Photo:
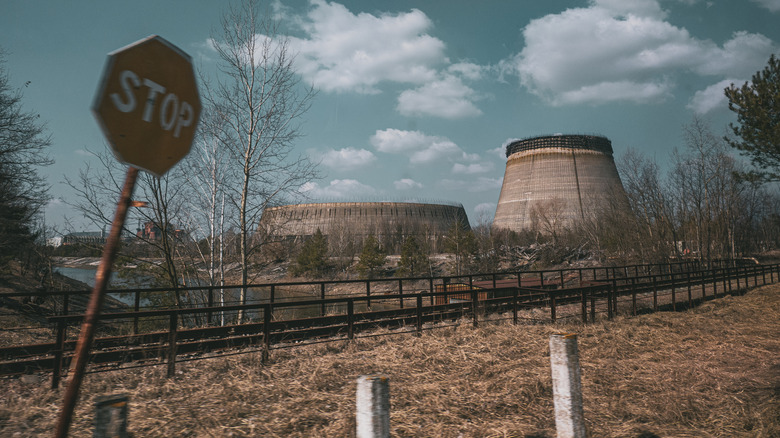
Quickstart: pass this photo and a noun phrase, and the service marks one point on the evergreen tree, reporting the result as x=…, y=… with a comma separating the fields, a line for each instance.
x=313, y=258
x=372, y=257
x=757, y=106
x=414, y=259
x=461, y=242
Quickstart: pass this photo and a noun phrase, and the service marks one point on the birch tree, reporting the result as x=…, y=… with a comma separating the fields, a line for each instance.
x=259, y=100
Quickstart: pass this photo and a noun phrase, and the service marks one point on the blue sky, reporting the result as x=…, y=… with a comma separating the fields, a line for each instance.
x=417, y=98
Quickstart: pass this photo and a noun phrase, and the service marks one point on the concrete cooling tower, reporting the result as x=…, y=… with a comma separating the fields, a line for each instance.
x=360, y=219
x=558, y=177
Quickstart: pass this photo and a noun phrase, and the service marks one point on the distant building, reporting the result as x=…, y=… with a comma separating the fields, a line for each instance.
x=151, y=231
x=86, y=238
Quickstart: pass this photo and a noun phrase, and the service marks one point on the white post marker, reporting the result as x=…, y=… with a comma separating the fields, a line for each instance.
x=567, y=389
x=373, y=407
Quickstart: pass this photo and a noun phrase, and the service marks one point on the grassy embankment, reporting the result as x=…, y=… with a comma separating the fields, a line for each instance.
x=710, y=371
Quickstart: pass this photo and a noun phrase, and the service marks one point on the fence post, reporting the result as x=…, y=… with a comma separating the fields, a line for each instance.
x=373, y=407
x=475, y=306
x=613, y=296
x=368, y=294
x=690, y=294
x=350, y=319
x=763, y=274
x=515, y=293
x=567, y=387
x=322, y=297
x=584, y=292
x=431, y=289
x=419, y=314
x=58, y=353
x=173, y=323
x=401, y=292
x=111, y=416
x=655, y=294
x=561, y=274
x=267, y=311
x=633, y=296
x=674, y=292
x=714, y=282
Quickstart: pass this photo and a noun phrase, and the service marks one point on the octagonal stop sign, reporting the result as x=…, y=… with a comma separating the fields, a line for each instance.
x=147, y=104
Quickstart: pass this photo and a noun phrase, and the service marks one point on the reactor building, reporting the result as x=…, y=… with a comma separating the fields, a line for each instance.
x=564, y=177
x=359, y=219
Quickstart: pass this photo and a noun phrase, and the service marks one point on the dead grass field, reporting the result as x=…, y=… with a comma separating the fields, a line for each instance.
x=713, y=371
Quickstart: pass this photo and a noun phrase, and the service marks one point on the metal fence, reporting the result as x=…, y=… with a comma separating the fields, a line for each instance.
x=328, y=311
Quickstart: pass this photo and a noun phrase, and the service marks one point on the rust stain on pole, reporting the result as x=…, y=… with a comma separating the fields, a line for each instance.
x=81, y=356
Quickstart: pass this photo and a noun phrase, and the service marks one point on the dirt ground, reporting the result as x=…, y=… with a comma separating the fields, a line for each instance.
x=712, y=371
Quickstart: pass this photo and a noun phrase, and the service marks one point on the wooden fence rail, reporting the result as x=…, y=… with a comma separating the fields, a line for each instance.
x=174, y=337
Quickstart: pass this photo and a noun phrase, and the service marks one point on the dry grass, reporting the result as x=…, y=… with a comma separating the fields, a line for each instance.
x=710, y=371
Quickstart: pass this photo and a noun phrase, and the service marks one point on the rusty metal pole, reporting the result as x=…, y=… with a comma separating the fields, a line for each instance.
x=81, y=355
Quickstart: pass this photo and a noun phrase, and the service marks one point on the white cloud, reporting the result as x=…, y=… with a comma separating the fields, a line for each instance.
x=771, y=5
x=420, y=148
x=622, y=8
x=467, y=70
x=347, y=158
x=338, y=189
x=485, y=207
x=711, y=97
x=616, y=50
x=407, y=184
x=448, y=98
x=343, y=51
x=471, y=169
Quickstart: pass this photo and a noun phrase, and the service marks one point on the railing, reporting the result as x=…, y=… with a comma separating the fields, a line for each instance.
x=173, y=337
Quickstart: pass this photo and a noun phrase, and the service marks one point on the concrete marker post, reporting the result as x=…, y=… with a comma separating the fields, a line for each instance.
x=111, y=416
x=373, y=407
x=567, y=387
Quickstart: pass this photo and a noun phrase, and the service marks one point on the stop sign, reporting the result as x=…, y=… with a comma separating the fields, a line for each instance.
x=147, y=104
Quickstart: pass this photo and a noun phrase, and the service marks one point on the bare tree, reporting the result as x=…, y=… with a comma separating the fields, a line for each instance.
x=547, y=217
x=259, y=100
x=23, y=193
x=207, y=176
x=161, y=202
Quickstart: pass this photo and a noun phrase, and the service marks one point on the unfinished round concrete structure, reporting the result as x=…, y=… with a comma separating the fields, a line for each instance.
x=359, y=219
x=558, y=180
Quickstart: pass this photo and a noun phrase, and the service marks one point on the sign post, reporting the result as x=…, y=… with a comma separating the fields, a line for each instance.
x=148, y=107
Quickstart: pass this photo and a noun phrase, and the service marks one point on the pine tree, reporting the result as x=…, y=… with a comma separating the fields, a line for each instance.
x=414, y=259
x=461, y=242
x=757, y=106
x=372, y=257
x=313, y=258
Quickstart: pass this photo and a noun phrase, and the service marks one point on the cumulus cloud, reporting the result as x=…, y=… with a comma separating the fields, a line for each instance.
x=407, y=184
x=343, y=51
x=338, y=189
x=447, y=98
x=421, y=148
x=711, y=97
x=470, y=169
x=617, y=50
x=347, y=158
x=771, y=5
